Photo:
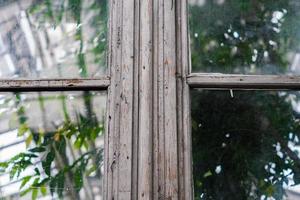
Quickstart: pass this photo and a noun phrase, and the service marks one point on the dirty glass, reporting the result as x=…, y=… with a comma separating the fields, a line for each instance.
x=245, y=36
x=245, y=145
x=51, y=145
x=53, y=39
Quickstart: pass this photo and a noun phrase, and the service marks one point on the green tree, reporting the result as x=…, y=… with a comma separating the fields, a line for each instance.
x=244, y=36
x=242, y=144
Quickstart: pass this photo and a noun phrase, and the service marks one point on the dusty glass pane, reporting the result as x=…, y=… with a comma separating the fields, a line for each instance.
x=246, y=145
x=52, y=145
x=53, y=39
x=245, y=36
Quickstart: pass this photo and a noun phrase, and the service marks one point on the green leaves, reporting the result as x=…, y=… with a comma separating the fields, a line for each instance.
x=91, y=170
x=36, y=186
x=207, y=174
x=23, y=193
x=3, y=166
x=252, y=153
x=78, y=179
x=232, y=37
x=34, y=193
x=88, y=130
x=52, y=185
x=75, y=8
x=43, y=190
x=51, y=146
x=60, y=184
x=23, y=128
x=28, y=140
x=46, y=164
x=37, y=149
x=18, y=164
x=25, y=180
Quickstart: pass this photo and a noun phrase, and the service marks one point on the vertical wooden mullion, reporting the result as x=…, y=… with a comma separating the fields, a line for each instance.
x=158, y=103
x=145, y=128
x=126, y=95
x=117, y=73
x=108, y=153
x=135, y=136
x=184, y=118
x=145, y=101
x=118, y=167
x=170, y=101
x=158, y=153
x=165, y=102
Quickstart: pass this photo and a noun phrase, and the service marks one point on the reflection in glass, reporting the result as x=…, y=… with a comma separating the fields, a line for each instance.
x=52, y=39
x=245, y=36
x=246, y=145
x=51, y=145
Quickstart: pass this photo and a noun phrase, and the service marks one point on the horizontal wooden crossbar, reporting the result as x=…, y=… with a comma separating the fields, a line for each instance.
x=221, y=81
x=53, y=84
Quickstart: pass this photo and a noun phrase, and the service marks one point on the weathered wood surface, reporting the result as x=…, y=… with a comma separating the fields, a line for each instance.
x=145, y=101
x=170, y=101
x=126, y=104
x=158, y=103
x=120, y=123
x=183, y=105
x=135, y=137
x=196, y=80
x=144, y=119
x=114, y=113
x=53, y=84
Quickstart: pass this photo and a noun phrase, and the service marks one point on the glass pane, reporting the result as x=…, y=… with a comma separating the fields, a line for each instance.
x=245, y=36
x=52, y=39
x=52, y=145
x=246, y=145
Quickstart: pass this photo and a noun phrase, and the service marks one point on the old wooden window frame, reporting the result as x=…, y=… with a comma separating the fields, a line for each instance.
x=148, y=135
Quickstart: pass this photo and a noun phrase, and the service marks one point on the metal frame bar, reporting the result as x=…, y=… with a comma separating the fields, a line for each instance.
x=30, y=85
x=222, y=81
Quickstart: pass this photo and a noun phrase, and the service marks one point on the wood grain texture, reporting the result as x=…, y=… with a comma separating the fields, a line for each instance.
x=170, y=101
x=165, y=115
x=183, y=108
x=145, y=102
x=135, y=137
x=146, y=112
x=243, y=81
x=120, y=123
x=126, y=104
x=158, y=103
x=24, y=85
x=110, y=158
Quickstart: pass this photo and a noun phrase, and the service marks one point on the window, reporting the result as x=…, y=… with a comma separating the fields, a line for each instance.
x=53, y=99
x=148, y=84
x=245, y=109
